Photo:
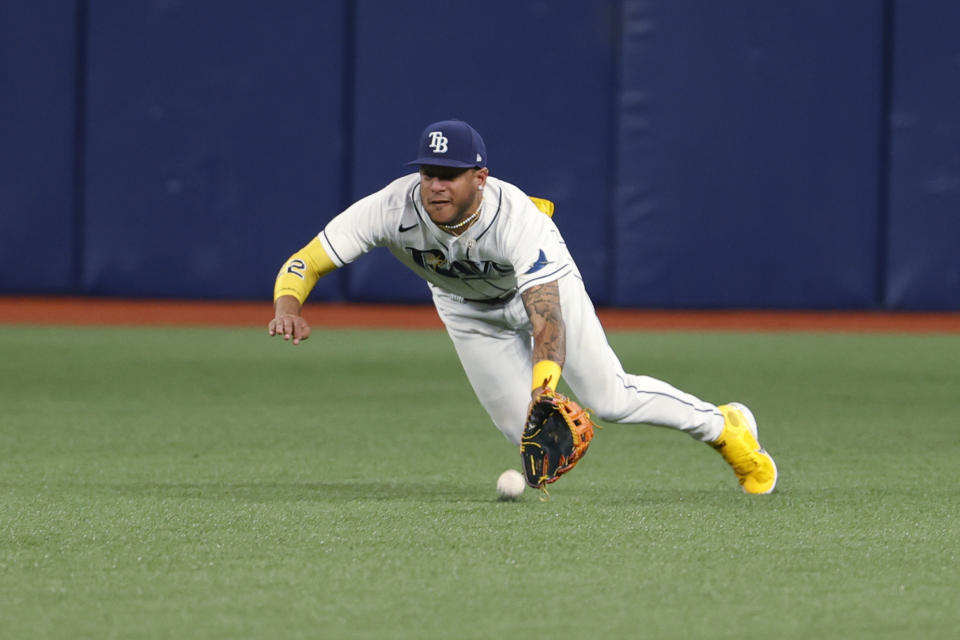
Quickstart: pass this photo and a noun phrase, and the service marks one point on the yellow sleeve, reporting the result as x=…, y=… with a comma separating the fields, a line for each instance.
x=300, y=273
x=544, y=205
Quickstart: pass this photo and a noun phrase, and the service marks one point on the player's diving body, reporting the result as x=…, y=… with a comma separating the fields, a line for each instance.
x=510, y=297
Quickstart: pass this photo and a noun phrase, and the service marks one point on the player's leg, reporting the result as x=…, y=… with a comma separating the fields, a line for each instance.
x=495, y=353
x=597, y=378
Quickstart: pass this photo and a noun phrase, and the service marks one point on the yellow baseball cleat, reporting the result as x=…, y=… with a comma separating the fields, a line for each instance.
x=738, y=444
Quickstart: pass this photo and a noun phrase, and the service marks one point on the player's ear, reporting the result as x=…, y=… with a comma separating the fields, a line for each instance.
x=481, y=176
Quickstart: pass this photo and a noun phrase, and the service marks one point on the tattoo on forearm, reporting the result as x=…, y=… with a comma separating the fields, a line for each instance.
x=549, y=333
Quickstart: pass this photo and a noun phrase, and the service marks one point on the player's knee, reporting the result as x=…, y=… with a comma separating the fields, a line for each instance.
x=609, y=414
x=512, y=435
x=509, y=424
x=510, y=431
x=598, y=410
x=609, y=407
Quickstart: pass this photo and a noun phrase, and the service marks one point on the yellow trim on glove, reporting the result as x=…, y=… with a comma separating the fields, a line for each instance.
x=300, y=273
x=546, y=372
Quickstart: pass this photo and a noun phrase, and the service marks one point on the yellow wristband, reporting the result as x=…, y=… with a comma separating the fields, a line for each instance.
x=546, y=372
x=300, y=273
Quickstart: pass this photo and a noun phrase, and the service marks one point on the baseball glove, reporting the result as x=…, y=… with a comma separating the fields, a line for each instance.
x=556, y=436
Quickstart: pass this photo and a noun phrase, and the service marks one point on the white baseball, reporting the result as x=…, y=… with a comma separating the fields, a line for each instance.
x=510, y=484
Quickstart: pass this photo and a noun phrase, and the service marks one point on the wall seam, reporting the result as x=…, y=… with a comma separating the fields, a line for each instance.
x=79, y=146
x=347, y=121
x=884, y=167
x=613, y=181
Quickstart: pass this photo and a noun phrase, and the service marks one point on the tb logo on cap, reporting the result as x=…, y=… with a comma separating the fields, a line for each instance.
x=438, y=142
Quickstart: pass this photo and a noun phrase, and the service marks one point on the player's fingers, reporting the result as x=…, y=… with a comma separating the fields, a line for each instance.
x=291, y=327
x=301, y=331
x=281, y=326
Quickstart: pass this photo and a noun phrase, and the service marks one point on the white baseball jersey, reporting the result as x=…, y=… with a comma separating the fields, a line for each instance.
x=511, y=246
x=475, y=277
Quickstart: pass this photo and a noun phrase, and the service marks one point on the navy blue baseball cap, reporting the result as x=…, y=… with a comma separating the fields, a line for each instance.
x=451, y=143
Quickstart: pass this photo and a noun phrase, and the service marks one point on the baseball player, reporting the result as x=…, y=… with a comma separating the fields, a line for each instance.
x=510, y=296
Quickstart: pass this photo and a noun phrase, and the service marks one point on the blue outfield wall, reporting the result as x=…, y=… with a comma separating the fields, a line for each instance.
x=747, y=170
x=213, y=135
x=796, y=154
x=923, y=257
x=39, y=220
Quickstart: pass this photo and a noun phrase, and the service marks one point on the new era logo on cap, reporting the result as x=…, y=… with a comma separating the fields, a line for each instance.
x=451, y=143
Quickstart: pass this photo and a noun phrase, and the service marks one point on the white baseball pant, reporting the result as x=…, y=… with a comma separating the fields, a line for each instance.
x=494, y=344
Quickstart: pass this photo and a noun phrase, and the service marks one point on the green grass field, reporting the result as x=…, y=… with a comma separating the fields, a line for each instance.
x=196, y=483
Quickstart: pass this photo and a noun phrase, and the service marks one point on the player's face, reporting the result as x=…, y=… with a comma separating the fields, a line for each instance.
x=451, y=194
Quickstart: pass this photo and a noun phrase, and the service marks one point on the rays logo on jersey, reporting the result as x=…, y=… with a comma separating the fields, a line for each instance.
x=434, y=260
x=539, y=264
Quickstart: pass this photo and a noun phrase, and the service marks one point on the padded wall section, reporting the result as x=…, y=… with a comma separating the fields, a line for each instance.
x=214, y=137
x=535, y=78
x=748, y=160
x=38, y=46
x=924, y=225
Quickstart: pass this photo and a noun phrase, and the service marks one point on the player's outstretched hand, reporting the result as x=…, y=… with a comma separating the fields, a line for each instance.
x=290, y=326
